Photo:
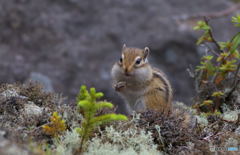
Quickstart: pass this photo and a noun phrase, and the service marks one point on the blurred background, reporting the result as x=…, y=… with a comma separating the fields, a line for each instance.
x=67, y=43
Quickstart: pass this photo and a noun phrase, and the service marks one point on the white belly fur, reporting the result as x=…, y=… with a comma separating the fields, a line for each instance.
x=134, y=99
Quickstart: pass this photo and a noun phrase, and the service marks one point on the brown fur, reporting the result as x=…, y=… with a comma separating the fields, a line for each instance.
x=129, y=57
x=157, y=94
x=163, y=79
x=159, y=98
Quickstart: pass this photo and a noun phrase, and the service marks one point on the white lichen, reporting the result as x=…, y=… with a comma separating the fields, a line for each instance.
x=12, y=93
x=128, y=142
x=201, y=120
x=231, y=116
x=231, y=142
x=31, y=109
x=159, y=133
x=185, y=107
x=67, y=143
x=237, y=131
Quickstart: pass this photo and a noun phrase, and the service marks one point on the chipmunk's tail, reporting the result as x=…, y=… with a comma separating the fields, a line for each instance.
x=181, y=110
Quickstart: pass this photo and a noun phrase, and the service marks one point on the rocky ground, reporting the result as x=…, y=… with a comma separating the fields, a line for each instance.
x=67, y=43
x=24, y=109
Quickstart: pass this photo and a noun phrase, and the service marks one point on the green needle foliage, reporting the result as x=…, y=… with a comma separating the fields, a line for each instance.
x=88, y=104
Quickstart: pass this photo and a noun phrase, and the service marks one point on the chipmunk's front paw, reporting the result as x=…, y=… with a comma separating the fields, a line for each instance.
x=119, y=86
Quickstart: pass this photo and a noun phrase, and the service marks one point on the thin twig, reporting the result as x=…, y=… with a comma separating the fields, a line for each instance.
x=191, y=72
x=214, y=41
x=213, y=15
x=213, y=135
x=206, y=19
x=236, y=75
x=210, y=49
x=233, y=89
x=236, y=81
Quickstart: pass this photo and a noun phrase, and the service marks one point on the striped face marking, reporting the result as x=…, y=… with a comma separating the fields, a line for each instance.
x=132, y=58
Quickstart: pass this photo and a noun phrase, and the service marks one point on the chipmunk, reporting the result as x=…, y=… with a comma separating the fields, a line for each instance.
x=142, y=86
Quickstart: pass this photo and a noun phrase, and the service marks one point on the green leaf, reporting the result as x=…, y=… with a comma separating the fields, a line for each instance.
x=217, y=94
x=206, y=102
x=237, y=55
x=207, y=65
x=224, y=45
x=202, y=25
x=207, y=57
x=210, y=68
x=222, y=56
x=205, y=37
x=229, y=66
x=236, y=20
x=235, y=42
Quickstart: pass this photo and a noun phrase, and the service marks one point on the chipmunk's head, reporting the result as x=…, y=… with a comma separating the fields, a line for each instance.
x=134, y=61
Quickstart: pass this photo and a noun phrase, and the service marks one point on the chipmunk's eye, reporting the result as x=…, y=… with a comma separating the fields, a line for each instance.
x=138, y=61
x=120, y=60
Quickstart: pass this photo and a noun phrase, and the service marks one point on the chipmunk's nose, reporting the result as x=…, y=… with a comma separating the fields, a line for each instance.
x=126, y=72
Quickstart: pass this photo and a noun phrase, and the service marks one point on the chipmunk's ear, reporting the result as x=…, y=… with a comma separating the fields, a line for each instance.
x=124, y=46
x=146, y=52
